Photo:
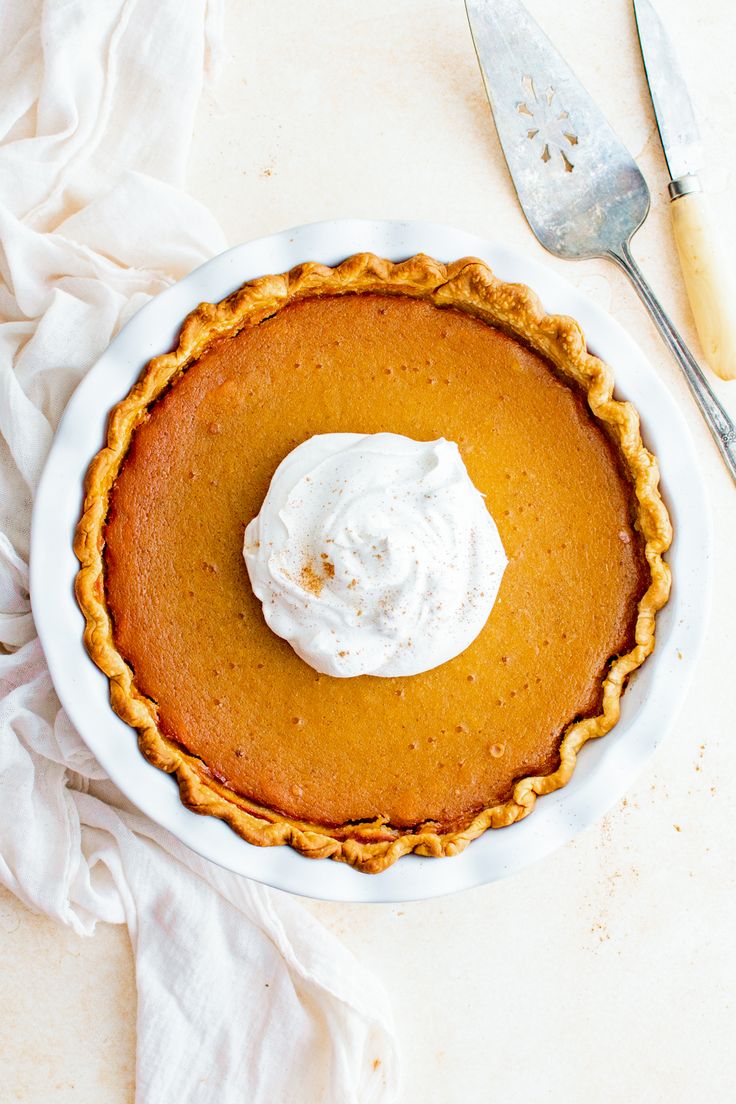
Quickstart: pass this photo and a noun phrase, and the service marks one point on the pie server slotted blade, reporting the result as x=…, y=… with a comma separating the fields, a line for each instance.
x=579, y=187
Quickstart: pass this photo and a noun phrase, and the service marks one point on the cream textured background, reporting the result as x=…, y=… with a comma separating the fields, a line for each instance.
x=607, y=973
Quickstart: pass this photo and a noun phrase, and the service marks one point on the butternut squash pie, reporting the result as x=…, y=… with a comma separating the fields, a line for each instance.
x=423, y=754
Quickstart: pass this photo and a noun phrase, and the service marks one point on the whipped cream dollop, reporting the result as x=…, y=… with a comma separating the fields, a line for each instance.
x=374, y=554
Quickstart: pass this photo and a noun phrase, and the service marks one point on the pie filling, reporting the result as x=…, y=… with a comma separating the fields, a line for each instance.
x=434, y=746
x=484, y=664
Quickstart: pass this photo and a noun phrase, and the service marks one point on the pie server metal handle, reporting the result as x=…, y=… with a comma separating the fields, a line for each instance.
x=719, y=423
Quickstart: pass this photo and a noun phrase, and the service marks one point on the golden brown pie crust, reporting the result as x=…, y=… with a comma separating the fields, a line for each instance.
x=467, y=285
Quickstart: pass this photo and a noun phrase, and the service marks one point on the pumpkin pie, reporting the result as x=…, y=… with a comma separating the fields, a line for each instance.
x=368, y=769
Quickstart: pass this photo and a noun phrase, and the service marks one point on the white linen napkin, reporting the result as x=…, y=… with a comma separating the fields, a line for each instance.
x=242, y=995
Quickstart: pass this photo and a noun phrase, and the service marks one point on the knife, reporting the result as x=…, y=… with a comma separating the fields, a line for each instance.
x=708, y=280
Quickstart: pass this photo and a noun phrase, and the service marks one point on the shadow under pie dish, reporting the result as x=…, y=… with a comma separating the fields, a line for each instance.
x=367, y=769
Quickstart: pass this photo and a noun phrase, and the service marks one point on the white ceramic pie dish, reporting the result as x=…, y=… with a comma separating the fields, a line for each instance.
x=605, y=768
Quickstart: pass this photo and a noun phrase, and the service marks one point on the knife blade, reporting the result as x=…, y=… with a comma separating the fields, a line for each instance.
x=709, y=281
x=673, y=110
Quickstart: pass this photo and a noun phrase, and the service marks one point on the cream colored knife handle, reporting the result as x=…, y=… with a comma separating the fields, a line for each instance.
x=708, y=280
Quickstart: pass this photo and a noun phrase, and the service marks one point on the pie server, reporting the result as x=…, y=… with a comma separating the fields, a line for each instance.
x=579, y=187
